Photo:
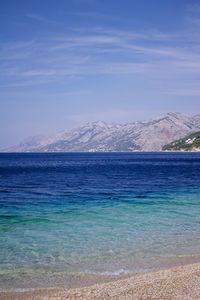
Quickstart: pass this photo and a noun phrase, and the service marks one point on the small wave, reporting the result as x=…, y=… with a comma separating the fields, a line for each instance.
x=26, y=289
x=5, y=191
x=115, y=273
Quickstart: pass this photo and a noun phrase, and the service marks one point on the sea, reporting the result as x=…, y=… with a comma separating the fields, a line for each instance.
x=67, y=216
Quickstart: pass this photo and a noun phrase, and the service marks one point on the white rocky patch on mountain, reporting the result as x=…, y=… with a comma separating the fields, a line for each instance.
x=149, y=135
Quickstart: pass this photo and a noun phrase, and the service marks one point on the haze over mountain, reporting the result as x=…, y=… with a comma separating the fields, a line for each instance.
x=150, y=135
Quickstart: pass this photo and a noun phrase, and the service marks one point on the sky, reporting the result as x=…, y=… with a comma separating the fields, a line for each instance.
x=67, y=62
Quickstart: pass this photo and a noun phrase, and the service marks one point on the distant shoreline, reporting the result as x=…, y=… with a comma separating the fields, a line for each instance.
x=100, y=152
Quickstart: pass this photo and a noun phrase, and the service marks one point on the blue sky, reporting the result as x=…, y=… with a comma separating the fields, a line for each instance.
x=66, y=62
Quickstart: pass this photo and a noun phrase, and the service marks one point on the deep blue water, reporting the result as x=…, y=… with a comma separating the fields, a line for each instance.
x=95, y=213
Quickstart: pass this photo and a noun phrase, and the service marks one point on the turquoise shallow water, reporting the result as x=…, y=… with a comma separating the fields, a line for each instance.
x=68, y=214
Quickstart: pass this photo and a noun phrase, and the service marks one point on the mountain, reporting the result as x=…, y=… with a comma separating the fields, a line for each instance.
x=149, y=135
x=189, y=143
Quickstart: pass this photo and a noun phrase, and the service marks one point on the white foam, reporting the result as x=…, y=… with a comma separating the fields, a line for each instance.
x=116, y=272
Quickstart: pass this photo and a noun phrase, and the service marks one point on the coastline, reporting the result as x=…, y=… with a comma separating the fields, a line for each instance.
x=181, y=282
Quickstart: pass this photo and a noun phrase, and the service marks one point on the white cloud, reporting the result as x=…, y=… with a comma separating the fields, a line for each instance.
x=36, y=17
x=101, y=51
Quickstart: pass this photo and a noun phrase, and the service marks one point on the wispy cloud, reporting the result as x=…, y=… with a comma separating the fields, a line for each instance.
x=36, y=17
x=40, y=18
x=101, y=51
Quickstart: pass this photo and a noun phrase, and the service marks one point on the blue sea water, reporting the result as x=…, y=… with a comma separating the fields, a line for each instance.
x=63, y=214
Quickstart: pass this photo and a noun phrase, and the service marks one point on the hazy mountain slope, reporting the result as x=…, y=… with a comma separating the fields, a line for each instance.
x=190, y=143
x=149, y=135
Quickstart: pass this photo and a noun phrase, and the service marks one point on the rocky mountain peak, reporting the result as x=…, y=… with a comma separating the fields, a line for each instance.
x=150, y=135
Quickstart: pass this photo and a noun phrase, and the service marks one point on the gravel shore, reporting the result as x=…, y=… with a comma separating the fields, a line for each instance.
x=175, y=283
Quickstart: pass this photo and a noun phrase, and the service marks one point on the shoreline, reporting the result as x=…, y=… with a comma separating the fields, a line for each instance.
x=181, y=282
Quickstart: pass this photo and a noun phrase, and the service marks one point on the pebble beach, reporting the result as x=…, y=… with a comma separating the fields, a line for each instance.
x=176, y=283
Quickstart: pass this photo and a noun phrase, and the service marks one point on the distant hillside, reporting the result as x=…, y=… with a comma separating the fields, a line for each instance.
x=190, y=143
x=149, y=135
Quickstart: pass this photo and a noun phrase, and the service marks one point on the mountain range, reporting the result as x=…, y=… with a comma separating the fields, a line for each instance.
x=150, y=135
